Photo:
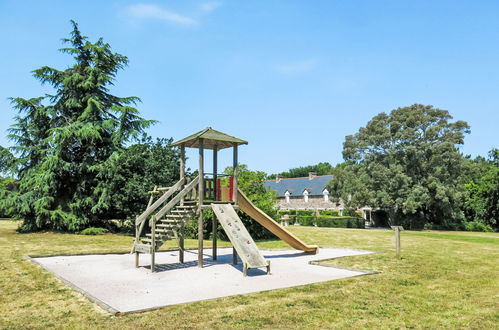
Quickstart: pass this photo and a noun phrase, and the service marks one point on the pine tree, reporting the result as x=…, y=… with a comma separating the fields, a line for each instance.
x=67, y=144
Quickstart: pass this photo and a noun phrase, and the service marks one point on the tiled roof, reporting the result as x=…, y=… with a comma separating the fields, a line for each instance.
x=296, y=186
x=211, y=139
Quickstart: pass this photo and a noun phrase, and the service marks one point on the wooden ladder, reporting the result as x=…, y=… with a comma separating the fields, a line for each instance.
x=167, y=223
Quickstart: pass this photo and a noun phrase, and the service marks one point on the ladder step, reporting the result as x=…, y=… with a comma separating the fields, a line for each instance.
x=175, y=216
x=161, y=234
x=179, y=212
x=165, y=230
x=167, y=225
x=158, y=242
x=186, y=207
x=144, y=248
x=175, y=221
x=178, y=220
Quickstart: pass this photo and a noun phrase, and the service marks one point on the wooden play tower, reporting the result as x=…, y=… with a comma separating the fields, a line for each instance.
x=170, y=207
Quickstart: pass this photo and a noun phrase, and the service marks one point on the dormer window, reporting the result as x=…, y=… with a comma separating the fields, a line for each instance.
x=286, y=195
x=325, y=193
x=305, y=195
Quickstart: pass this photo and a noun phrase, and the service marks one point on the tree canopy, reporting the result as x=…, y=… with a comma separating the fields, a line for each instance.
x=408, y=164
x=482, y=190
x=141, y=167
x=251, y=183
x=323, y=168
x=67, y=144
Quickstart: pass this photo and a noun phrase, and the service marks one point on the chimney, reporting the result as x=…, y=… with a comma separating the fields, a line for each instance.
x=311, y=175
x=277, y=179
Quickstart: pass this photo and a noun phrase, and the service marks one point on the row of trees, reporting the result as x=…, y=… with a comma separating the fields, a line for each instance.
x=71, y=156
x=407, y=166
x=81, y=155
x=319, y=169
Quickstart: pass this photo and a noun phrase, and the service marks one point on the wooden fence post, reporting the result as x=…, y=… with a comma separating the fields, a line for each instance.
x=397, y=230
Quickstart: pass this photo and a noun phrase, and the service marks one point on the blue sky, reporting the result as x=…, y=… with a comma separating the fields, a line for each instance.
x=291, y=77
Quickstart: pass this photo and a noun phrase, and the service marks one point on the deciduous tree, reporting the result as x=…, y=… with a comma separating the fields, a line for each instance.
x=482, y=198
x=407, y=163
x=323, y=168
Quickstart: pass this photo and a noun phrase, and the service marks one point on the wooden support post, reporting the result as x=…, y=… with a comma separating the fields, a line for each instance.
x=214, y=232
x=234, y=166
x=214, y=221
x=397, y=230
x=200, y=203
x=137, y=229
x=245, y=269
x=234, y=256
x=153, y=244
x=181, y=243
x=182, y=168
x=182, y=162
x=151, y=198
x=215, y=169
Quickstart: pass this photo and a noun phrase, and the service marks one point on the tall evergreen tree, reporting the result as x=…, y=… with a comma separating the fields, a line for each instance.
x=67, y=144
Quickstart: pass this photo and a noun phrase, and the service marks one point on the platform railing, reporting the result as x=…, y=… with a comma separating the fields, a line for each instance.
x=164, y=203
x=212, y=186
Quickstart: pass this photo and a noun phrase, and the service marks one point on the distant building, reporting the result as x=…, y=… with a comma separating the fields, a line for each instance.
x=303, y=193
x=307, y=193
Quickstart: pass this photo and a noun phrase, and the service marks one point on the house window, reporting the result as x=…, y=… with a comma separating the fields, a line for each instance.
x=325, y=193
x=305, y=196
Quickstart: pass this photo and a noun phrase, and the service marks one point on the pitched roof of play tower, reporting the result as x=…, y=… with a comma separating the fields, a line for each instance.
x=211, y=139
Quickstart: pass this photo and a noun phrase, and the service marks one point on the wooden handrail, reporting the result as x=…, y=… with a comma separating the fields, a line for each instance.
x=175, y=200
x=140, y=221
x=141, y=218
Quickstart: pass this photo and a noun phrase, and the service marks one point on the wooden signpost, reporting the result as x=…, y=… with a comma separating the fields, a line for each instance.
x=397, y=230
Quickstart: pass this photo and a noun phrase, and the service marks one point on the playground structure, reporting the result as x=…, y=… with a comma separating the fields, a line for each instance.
x=164, y=218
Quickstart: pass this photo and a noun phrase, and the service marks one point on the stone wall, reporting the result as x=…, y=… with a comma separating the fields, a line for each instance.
x=314, y=202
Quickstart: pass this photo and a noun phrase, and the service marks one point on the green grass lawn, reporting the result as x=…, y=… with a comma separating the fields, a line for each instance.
x=442, y=280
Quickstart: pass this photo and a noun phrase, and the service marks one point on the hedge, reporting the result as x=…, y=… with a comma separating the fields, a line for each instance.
x=332, y=222
x=330, y=213
x=94, y=231
x=341, y=222
x=305, y=220
x=287, y=212
x=306, y=213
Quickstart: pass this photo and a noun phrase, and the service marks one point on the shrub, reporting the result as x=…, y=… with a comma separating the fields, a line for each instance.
x=287, y=212
x=306, y=220
x=306, y=213
x=340, y=222
x=477, y=226
x=94, y=231
x=348, y=213
x=330, y=213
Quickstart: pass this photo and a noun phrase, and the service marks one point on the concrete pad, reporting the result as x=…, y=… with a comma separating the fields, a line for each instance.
x=112, y=281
